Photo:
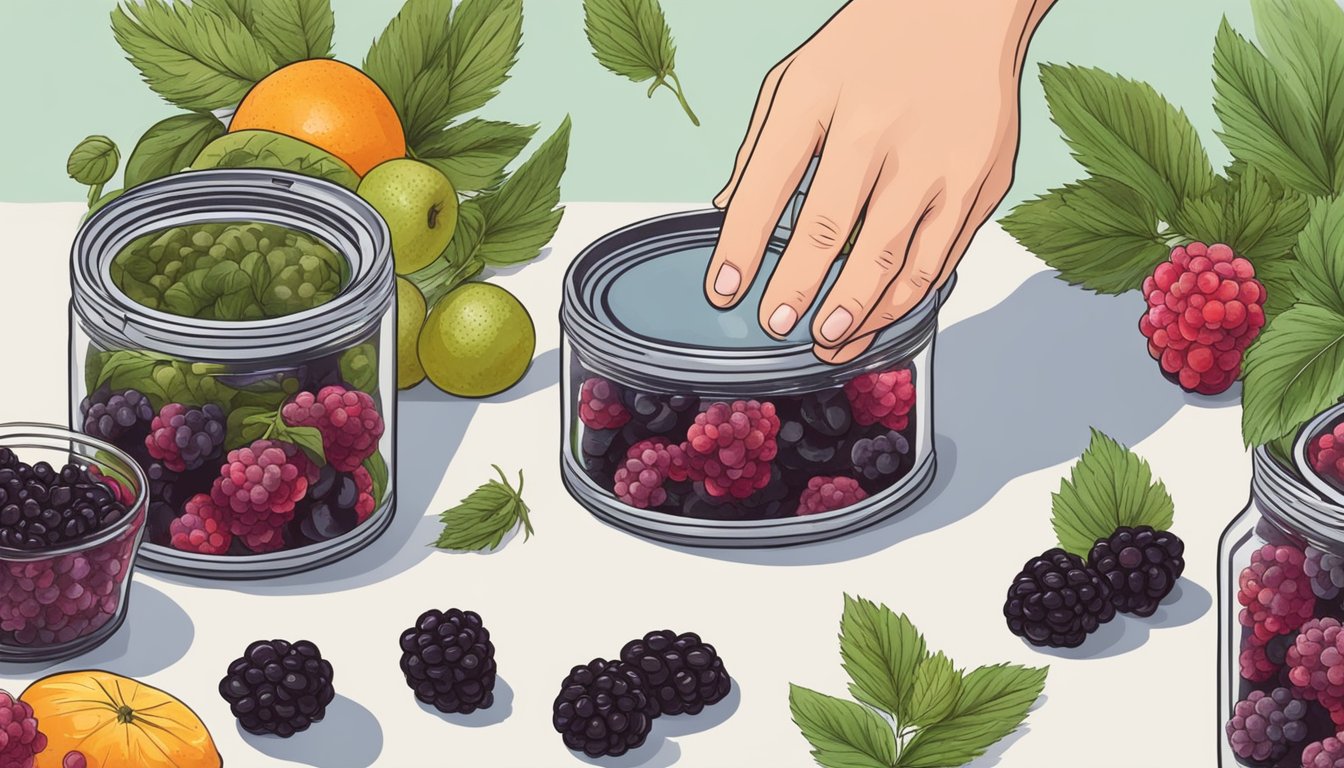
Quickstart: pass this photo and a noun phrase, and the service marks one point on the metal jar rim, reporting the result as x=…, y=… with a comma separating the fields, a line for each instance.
x=637, y=360
x=316, y=207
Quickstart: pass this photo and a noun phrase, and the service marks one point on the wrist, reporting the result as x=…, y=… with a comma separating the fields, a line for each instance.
x=1001, y=29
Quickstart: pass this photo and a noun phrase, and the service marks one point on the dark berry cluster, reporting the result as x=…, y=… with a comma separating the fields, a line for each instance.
x=278, y=687
x=449, y=661
x=41, y=508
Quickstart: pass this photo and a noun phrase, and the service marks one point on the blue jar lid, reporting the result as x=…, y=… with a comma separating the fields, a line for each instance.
x=634, y=310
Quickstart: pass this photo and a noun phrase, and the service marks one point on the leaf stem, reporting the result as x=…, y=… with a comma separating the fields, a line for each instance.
x=95, y=192
x=681, y=97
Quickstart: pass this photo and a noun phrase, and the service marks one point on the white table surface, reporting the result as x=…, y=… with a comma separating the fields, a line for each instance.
x=1025, y=364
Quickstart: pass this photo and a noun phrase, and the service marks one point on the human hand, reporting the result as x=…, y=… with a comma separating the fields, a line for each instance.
x=913, y=109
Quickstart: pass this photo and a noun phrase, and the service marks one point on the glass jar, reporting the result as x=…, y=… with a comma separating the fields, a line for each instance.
x=227, y=318
x=61, y=601
x=1281, y=566
x=655, y=379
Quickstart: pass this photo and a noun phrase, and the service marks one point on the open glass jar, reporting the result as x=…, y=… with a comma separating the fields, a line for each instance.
x=234, y=332
x=1281, y=573
x=690, y=425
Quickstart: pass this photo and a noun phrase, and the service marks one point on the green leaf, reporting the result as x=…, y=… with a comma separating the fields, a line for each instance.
x=194, y=58
x=293, y=30
x=1294, y=371
x=485, y=516
x=266, y=149
x=631, y=39
x=359, y=367
x=93, y=160
x=473, y=154
x=1124, y=130
x=308, y=439
x=239, y=9
x=881, y=650
x=1259, y=219
x=521, y=216
x=171, y=145
x=1108, y=488
x=842, y=734
x=483, y=45
x=377, y=469
x=247, y=424
x=1265, y=123
x=1320, y=257
x=1279, y=276
x=1097, y=233
x=411, y=47
x=937, y=684
x=1305, y=40
x=992, y=703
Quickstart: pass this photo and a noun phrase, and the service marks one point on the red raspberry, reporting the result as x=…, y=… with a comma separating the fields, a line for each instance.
x=648, y=464
x=120, y=490
x=1256, y=666
x=885, y=396
x=730, y=446
x=1326, y=454
x=1327, y=753
x=827, y=494
x=347, y=418
x=1205, y=307
x=20, y=741
x=600, y=404
x=1276, y=592
x=364, y=503
x=201, y=528
x=268, y=540
x=1316, y=661
x=258, y=486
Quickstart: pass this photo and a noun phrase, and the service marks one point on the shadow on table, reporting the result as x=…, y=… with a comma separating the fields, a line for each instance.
x=156, y=634
x=660, y=751
x=348, y=737
x=498, y=712
x=1187, y=602
x=430, y=427
x=1017, y=388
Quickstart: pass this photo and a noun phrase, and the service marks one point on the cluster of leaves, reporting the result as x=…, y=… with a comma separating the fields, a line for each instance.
x=482, y=520
x=631, y=39
x=915, y=708
x=1151, y=186
x=1110, y=487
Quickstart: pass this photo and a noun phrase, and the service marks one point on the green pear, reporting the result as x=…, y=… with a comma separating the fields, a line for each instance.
x=420, y=207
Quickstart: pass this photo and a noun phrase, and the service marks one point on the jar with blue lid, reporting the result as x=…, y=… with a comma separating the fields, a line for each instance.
x=690, y=425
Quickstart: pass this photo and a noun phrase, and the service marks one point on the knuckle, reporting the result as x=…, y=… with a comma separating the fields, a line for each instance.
x=820, y=231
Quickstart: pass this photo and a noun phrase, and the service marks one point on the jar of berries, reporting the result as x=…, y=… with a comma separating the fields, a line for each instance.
x=690, y=425
x=1281, y=626
x=234, y=332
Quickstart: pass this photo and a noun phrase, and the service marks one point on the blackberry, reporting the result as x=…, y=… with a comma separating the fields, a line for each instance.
x=652, y=414
x=603, y=708
x=682, y=673
x=1140, y=565
x=168, y=494
x=803, y=449
x=121, y=417
x=449, y=661
x=1326, y=571
x=1057, y=601
x=278, y=687
x=881, y=459
x=1264, y=724
x=332, y=500
x=185, y=438
x=41, y=508
x=773, y=501
x=603, y=452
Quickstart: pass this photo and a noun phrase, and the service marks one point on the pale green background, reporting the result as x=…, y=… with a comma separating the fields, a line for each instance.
x=64, y=77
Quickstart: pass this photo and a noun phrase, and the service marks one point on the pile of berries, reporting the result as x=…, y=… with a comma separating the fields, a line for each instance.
x=607, y=706
x=213, y=499
x=1205, y=307
x=20, y=739
x=749, y=459
x=1325, y=453
x=1058, y=598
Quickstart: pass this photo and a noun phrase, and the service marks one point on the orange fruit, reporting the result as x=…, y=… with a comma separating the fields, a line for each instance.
x=328, y=104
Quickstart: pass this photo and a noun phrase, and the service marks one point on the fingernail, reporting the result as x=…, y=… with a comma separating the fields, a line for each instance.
x=782, y=320
x=836, y=325
x=727, y=281
x=721, y=199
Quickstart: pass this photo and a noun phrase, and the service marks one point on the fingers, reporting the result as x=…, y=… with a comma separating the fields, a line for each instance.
x=844, y=179
x=895, y=212
x=769, y=86
x=846, y=353
x=776, y=166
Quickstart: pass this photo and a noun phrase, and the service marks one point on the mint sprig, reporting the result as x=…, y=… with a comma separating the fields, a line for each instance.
x=1108, y=488
x=482, y=520
x=915, y=709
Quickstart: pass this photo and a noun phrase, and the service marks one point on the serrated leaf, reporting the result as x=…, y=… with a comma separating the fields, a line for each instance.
x=483, y=45
x=293, y=30
x=630, y=37
x=842, y=734
x=473, y=154
x=1305, y=40
x=522, y=215
x=992, y=703
x=267, y=149
x=484, y=517
x=1097, y=233
x=170, y=145
x=1256, y=217
x=881, y=651
x=194, y=58
x=246, y=424
x=377, y=469
x=1265, y=123
x=1320, y=257
x=1107, y=488
x=937, y=685
x=1294, y=371
x=1279, y=276
x=308, y=439
x=1124, y=130
x=239, y=9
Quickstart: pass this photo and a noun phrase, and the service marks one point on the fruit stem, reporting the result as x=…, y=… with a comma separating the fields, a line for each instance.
x=434, y=216
x=125, y=715
x=681, y=97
